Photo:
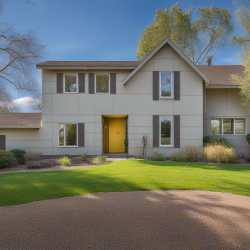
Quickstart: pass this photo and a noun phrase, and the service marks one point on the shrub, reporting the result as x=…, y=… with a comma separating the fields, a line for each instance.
x=209, y=140
x=66, y=161
x=19, y=154
x=99, y=159
x=220, y=154
x=157, y=157
x=33, y=156
x=191, y=152
x=84, y=155
x=175, y=157
x=248, y=138
x=34, y=165
x=6, y=159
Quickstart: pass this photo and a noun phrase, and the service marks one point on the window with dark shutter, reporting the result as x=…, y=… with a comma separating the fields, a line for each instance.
x=112, y=83
x=81, y=80
x=91, y=83
x=155, y=85
x=2, y=142
x=156, y=130
x=177, y=85
x=177, y=131
x=59, y=82
x=81, y=137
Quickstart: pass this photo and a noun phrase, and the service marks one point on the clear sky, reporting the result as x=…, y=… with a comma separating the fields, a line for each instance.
x=97, y=29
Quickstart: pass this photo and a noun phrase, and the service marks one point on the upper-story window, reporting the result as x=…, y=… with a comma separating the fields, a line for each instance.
x=166, y=85
x=70, y=83
x=102, y=83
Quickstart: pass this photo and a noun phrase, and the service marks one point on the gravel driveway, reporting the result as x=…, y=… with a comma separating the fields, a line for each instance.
x=129, y=220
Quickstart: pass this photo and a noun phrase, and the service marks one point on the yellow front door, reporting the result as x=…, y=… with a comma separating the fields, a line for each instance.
x=116, y=135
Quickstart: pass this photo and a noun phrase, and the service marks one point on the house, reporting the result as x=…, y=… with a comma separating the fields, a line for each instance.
x=93, y=106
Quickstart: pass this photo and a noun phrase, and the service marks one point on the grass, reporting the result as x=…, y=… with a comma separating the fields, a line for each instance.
x=120, y=176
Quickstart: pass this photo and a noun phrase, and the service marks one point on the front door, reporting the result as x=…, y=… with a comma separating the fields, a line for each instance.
x=117, y=131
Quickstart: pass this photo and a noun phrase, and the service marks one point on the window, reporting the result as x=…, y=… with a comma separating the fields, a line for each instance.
x=227, y=126
x=102, y=83
x=70, y=83
x=166, y=85
x=67, y=134
x=165, y=128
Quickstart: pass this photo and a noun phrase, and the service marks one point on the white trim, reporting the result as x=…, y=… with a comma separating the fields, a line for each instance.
x=64, y=136
x=21, y=127
x=109, y=82
x=171, y=132
x=228, y=118
x=177, y=50
x=77, y=83
x=172, y=85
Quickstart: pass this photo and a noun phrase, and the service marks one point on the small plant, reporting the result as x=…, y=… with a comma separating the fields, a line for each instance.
x=176, y=157
x=66, y=161
x=126, y=144
x=99, y=159
x=191, y=152
x=220, y=154
x=84, y=155
x=6, y=159
x=157, y=157
x=19, y=154
x=33, y=156
x=248, y=138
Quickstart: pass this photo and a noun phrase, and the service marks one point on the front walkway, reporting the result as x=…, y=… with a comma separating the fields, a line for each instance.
x=129, y=220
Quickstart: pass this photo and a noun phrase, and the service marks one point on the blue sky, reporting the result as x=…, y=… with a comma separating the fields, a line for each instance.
x=98, y=29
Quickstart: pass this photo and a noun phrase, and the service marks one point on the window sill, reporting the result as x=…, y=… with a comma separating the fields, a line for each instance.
x=166, y=146
x=67, y=146
x=166, y=98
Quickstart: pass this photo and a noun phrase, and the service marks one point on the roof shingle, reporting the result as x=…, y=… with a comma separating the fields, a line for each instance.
x=221, y=74
x=28, y=120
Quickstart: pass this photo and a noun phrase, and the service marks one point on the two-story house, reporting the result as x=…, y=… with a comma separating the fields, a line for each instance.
x=93, y=106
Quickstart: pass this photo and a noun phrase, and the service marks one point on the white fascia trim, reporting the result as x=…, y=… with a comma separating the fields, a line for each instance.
x=157, y=48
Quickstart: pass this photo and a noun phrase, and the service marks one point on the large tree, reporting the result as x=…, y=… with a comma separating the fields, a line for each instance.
x=19, y=52
x=197, y=39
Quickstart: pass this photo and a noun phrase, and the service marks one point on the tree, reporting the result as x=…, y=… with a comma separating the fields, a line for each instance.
x=6, y=103
x=196, y=39
x=19, y=52
x=35, y=102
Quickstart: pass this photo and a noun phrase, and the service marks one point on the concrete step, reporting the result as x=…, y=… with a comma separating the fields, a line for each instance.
x=116, y=155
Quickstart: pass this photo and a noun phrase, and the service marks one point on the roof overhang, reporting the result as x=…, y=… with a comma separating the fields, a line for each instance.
x=231, y=86
x=154, y=51
x=33, y=127
x=84, y=68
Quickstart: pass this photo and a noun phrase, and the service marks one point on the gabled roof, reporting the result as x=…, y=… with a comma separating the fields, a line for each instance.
x=87, y=64
x=220, y=75
x=20, y=120
x=177, y=50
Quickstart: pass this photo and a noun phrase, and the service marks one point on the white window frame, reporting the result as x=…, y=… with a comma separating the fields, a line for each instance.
x=77, y=83
x=64, y=135
x=226, y=118
x=171, y=130
x=172, y=85
x=109, y=82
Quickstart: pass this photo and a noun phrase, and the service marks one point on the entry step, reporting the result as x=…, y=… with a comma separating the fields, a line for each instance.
x=116, y=155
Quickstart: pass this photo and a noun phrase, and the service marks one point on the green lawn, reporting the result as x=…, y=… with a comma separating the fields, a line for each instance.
x=123, y=176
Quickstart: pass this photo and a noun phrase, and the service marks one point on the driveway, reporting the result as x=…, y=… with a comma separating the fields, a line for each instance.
x=129, y=220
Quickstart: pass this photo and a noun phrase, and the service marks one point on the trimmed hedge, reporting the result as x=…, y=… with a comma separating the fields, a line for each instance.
x=19, y=154
x=6, y=159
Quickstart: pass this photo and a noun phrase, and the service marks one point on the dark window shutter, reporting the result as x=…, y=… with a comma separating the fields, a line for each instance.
x=81, y=138
x=81, y=81
x=156, y=85
x=2, y=142
x=112, y=83
x=176, y=131
x=156, y=129
x=91, y=83
x=177, y=85
x=59, y=82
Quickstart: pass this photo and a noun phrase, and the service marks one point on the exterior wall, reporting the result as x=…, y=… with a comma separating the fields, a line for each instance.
x=134, y=99
x=226, y=103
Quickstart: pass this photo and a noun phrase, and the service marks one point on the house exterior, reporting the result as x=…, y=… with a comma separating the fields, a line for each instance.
x=94, y=106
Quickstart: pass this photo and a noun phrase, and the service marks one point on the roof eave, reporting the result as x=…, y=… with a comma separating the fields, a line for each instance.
x=156, y=49
x=83, y=67
x=20, y=127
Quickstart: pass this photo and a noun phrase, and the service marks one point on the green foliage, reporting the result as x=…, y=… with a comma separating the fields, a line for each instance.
x=19, y=154
x=6, y=159
x=102, y=83
x=210, y=140
x=248, y=138
x=66, y=161
x=126, y=144
x=220, y=154
x=157, y=157
x=84, y=155
x=196, y=39
x=165, y=93
x=33, y=156
x=99, y=159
